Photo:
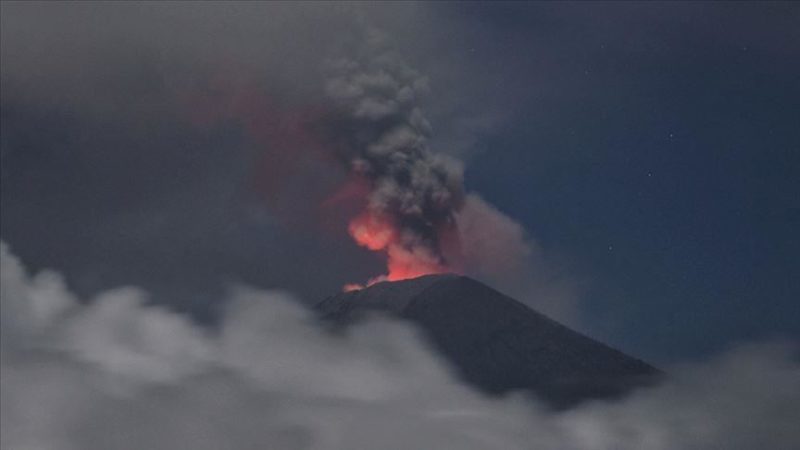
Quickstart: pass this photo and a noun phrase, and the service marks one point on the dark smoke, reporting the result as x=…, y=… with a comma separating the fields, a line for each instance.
x=413, y=192
x=287, y=135
x=416, y=208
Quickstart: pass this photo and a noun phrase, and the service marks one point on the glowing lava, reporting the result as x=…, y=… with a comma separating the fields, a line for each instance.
x=404, y=261
x=372, y=231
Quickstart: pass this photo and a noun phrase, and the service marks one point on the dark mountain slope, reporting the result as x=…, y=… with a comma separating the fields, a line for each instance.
x=497, y=343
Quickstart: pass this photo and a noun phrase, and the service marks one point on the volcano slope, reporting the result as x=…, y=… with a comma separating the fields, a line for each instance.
x=495, y=342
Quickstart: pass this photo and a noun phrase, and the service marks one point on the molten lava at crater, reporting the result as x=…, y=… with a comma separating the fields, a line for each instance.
x=404, y=259
x=372, y=231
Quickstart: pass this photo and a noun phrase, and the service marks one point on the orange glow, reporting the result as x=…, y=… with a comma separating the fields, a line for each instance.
x=349, y=287
x=404, y=264
x=379, y=235
x=371, y=231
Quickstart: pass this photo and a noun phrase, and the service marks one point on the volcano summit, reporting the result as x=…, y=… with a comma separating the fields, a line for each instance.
x=495, y=342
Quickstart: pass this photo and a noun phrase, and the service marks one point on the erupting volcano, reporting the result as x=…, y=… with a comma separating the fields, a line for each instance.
x=413, y=194
x=399, y=198
x=381, y=235
x=496, y=343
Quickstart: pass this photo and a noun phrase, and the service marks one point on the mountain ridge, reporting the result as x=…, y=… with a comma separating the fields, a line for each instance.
x=495, y=342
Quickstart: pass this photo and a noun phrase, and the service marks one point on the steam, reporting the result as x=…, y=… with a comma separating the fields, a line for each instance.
x=116, y=373
x=496, y=249
x=413, y=192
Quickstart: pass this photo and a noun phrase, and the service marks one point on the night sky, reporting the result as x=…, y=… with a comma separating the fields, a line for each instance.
x=664, y=163
x=652, y=151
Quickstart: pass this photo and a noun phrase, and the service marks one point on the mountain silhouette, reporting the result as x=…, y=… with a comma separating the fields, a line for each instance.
x=495, y=342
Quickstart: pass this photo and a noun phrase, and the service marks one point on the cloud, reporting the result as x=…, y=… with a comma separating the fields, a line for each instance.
x=498, y=250
x=117, y=373
x=104, y=177
x=102, y=372
x=221, y=130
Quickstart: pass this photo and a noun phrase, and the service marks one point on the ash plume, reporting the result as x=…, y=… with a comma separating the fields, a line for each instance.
x=256, y=131
x=414, y=193
x=416, y=209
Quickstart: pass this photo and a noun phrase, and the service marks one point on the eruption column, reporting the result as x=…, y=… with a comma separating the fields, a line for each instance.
x=413, y=193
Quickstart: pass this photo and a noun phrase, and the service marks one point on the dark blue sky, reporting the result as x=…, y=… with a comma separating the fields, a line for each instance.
x=672, y=184
x=652, y=149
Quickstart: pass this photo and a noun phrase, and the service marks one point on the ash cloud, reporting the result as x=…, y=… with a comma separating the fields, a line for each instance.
x=186, y=147
x=113, y=372
x=103, y=178
x=416, y=209
x=495, y=248
x=128, y=128
x=413, y=192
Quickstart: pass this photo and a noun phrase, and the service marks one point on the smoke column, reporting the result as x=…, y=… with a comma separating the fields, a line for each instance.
x=360, y=152
x=400, y=198
x=413, y=194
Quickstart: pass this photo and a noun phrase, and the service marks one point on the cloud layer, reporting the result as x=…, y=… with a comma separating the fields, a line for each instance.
x=115, y=372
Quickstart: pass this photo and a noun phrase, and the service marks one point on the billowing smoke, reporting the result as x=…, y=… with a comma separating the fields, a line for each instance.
x=116, y=373
x=252, y=130
x=415, y=209
x=413, y=193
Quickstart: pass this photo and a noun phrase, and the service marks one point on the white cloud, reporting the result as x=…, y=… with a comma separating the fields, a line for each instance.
x=116, y=373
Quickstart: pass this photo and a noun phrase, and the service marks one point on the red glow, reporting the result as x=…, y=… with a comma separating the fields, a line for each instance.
x=379, y=234
x=349, y=287
x=404, y=264
x=353, y=191
x=292, y=150
x=371, y=231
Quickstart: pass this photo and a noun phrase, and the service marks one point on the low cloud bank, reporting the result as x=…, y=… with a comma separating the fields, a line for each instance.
x=115, y=372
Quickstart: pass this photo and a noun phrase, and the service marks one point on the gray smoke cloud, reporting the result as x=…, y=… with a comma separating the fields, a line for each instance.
x=115, y=372
x=416, y=208
x=221, y=128
x=413, y=192
x=496, y=249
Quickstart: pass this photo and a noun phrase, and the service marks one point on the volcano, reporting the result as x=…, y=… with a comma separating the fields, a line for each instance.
x=496, y=343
